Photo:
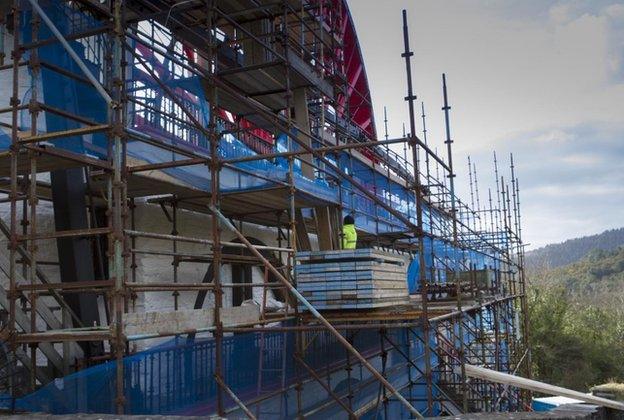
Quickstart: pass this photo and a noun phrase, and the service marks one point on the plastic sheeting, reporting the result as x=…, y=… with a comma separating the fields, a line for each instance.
x=154, y=113
x=159, y=110
x=177, y=377
x=171, y=126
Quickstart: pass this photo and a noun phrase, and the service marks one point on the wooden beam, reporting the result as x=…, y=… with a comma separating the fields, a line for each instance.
x=302, y=119
x=303, y=237
x=324, y=228
x=64, y=133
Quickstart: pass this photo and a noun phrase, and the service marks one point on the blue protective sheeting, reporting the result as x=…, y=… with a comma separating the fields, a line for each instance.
x=5, y=140
x=170, y=127
x=177, y=376
x=77, y=97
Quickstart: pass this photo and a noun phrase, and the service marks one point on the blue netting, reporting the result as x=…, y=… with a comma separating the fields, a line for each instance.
x=177, y=376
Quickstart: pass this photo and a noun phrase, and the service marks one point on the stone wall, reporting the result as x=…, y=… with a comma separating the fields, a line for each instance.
x=156, y=268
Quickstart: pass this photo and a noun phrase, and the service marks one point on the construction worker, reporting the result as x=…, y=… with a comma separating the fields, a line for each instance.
x=349, y=235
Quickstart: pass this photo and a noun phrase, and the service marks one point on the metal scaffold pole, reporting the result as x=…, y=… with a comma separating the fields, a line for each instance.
x=418, y=195
x=523, y=283
x=215, y=168
x=458, y=283
x=13, y=194
x=32, y=195
x=119, y=204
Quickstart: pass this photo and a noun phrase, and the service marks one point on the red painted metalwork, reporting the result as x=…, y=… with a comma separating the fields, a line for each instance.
x=359, y=97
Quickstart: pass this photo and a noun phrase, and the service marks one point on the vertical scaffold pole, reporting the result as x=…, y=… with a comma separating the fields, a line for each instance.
x=410, y=98
x=472, y=213
x=472, y=199
x=33, y=108
x=174, y=248
x=215, y=203
x=523, y=293
x=506, y=236
x=300, y=347
x=386, y=124
x=476, y=182
x=457, y=279
x=13, y=196
x=116, y=116
x=432, y=272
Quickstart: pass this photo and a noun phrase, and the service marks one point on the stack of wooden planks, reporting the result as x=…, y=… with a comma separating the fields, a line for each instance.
x=351, y=279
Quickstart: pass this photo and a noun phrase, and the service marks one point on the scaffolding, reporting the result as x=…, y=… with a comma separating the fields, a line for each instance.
x=254, y=112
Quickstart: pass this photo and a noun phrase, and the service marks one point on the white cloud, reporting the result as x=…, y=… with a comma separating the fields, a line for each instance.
x=552, y=137
x=582, y=160
x=560, y=13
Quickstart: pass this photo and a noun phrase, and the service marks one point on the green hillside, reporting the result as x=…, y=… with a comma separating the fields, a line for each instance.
x=598, y=278
x=572, y=250
x=577, y=321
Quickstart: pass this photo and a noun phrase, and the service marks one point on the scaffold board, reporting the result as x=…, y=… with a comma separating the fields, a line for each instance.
x=353, y=279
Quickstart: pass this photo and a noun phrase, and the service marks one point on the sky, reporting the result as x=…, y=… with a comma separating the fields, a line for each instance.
x=543, y=80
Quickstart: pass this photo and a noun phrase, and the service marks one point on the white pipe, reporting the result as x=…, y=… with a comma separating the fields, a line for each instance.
x=536, y=386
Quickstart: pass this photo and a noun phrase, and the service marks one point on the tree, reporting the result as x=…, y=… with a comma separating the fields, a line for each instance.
x=574, y=345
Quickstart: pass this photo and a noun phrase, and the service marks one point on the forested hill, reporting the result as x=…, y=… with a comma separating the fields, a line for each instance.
x=596, y=279
x=572, y=250
x=576, y=307
x=577, y=321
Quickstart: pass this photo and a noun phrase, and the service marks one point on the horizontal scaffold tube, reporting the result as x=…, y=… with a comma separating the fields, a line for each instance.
x=177, y=238
x=328, y=149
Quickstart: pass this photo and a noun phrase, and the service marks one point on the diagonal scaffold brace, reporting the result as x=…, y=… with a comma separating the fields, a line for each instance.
x=391, y=389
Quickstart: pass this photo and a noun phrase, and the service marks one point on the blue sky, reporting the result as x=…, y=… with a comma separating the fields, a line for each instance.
x=541, y=79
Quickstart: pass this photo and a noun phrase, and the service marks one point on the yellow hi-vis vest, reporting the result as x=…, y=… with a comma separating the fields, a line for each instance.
x=349, y=237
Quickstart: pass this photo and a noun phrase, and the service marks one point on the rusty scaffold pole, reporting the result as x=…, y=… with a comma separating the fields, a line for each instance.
x=451, y=176
x=118, y=190
x=428, y=187
x=31, y=183
x=292, y=197
x=476, y=182
x=522, y=278
x=13, y=194
x=215, y=168
x=418, y=195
